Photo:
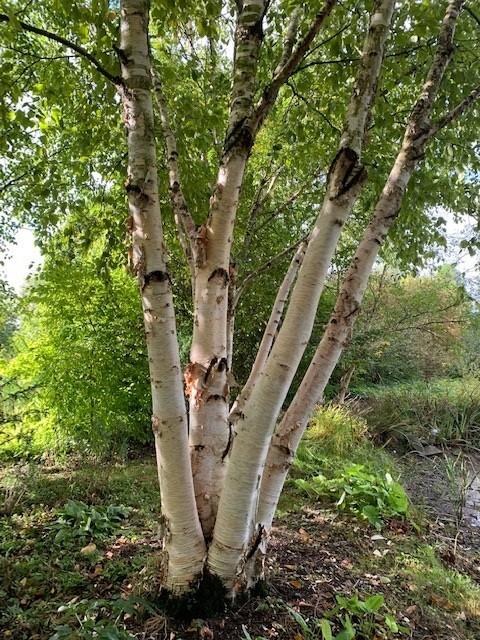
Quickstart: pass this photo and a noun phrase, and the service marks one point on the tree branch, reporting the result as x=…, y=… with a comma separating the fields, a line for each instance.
x=185, y=225
x=265, y=267
x=456, y=112
x=283, y=72
x=116, y=80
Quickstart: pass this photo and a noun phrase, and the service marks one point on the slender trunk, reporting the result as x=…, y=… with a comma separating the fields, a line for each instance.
x=207, y=374
x=234, y=534
x=291, y=428
x=270, y=332
x=184, y=543
x=344, y=384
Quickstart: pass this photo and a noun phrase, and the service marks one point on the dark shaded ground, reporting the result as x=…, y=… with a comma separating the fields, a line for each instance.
x=313, y=557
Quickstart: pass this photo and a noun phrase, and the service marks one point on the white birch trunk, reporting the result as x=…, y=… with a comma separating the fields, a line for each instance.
x=270, y=332
x=207, y=373
x=184, y=543
x=234, y=533
x=291, y=428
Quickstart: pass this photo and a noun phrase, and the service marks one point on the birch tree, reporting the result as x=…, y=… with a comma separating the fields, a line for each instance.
x=222, y=463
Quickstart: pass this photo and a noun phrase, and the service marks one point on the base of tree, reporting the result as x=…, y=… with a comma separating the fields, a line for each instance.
x=208, y=597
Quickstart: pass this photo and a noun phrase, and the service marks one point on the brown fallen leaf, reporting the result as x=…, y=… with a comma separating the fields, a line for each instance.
x=440, y=601
x=296, y=583
x=304, y=536
x=206, y=633
x=90, y=548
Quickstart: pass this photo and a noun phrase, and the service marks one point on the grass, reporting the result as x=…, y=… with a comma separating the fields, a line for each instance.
x=49, y=582
x=441, y=412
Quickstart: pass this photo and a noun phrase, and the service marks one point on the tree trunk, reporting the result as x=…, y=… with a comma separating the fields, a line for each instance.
x=270, y=332
x=184, y=543
x=235, y=533
x=207, y=373
x=291, y=428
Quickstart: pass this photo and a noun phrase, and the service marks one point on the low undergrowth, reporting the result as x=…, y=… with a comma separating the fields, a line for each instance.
x=370, y=496
x=79, y=551
x=439, y=412
x=338, y=465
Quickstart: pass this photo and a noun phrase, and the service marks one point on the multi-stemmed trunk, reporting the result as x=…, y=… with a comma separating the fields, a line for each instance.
x=221, y=470
x=219, y=498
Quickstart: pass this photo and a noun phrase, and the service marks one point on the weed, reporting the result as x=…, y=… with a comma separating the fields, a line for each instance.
x=353, y=618
x=80, y=522
x=247, y=636
x=367, y=495
x=439, y=586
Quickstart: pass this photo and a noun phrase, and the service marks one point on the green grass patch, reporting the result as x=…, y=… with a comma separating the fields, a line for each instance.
x=442, y=411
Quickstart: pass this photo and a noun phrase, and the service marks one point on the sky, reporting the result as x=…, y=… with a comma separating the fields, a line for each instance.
x=22, y=259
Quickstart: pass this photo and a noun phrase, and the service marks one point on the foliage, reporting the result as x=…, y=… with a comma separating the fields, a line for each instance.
x=336, y=429
x=354, y=617
x=7, y=317
x=78, y=376
x=369, y=496
x=78, y=521
x=410, y=327
x=86, y=620
x=444, y=411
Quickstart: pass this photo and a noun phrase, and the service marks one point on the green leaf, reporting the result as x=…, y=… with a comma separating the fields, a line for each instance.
x=391, y=623
x=326, y=629
x=374, y=603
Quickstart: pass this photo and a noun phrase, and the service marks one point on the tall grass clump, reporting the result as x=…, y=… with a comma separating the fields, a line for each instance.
x=440, y=412
x=336, y=438
x=337, y=429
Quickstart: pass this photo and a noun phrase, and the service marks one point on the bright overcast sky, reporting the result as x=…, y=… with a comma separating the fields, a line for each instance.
x=21, y=260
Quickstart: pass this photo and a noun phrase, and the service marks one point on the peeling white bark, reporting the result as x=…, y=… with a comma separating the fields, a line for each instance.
x=270, y=332
x=184, y=543
x=292, y=426
x=209, y=428
x=234, y=528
